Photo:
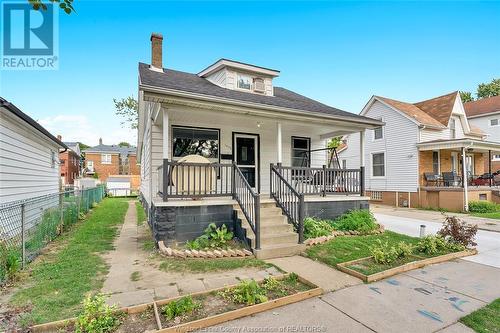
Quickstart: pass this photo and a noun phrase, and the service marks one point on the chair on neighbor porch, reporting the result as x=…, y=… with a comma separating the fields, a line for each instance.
x=432, y=178
x=451, y=179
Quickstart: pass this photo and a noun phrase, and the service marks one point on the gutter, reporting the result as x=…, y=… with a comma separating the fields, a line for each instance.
x=178, y=93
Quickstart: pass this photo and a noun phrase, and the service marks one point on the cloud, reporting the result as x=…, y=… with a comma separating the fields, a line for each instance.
x=79, y=128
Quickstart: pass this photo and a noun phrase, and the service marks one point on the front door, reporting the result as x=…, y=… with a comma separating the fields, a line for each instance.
x=246, y=156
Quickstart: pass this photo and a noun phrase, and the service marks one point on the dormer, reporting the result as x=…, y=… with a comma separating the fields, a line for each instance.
x=239, y=76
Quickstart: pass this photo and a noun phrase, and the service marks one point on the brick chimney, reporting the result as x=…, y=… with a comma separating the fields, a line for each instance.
x=156, y=51
x=100, y=141
x=59, y=137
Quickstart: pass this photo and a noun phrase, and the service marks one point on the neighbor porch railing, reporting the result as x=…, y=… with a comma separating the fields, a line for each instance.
x=249, y=202
x=323, y=181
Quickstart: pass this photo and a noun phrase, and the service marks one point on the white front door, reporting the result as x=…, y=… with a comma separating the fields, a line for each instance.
x=469, y=160
x=246, y=157
x=454, y=162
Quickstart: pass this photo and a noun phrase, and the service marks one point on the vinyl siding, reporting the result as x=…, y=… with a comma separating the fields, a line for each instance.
x=399, y=146
x=26, y=168
x=483, y=123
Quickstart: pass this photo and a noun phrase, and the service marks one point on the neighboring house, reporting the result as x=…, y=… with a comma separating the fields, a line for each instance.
x=107, y=160
x=29, y=156
x=119, y=185
x=216, y=134
x=416, y=158
x=485, y=114
x=70, y=162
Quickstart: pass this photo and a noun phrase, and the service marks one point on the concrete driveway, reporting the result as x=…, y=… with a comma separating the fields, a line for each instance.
x=488, y=242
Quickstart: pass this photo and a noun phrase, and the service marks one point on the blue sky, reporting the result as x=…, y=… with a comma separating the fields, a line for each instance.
x=339, y=53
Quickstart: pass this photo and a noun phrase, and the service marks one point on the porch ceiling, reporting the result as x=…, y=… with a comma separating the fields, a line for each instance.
x=457, y=144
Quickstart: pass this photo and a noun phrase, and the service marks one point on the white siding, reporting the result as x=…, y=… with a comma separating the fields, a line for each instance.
x=399, y=146
x=146, y=162
x=483, y=123
x=26, y=168
x=218, y=78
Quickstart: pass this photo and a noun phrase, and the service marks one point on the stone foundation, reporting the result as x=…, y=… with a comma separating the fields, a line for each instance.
x=330, y=210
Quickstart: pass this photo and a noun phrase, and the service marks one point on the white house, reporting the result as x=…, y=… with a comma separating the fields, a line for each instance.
x=485, y=114
x=234, y=116
x=29, y=156
x=416, y=159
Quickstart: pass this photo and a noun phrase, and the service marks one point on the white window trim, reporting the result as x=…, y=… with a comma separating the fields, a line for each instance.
x=385, y=165
x=494, y=157
x=106, y=162
x=439, y=160
x=244, y=89
x=454, y=121
x=383, y=131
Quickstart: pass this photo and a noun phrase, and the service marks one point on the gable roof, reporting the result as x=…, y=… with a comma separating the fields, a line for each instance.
x=412, y=111
x=192, y=83
x=482, y=107
x=30, y=121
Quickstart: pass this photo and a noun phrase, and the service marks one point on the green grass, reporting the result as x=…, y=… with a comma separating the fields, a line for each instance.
x=60, y=279
x=135, y=276
x=342, y=249
x=141, y=214
x=209, y=265
x=494, y=215
x=486, y=319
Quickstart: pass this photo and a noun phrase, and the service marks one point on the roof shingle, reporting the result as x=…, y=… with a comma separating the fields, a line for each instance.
x=482, y=106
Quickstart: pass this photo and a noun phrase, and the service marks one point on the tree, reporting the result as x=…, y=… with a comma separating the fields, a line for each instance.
x=127, y=108
x=485, y=90
x=466, y=96
x=124, y=144
x=334, y=142
x=65, y=5
x=83, y=146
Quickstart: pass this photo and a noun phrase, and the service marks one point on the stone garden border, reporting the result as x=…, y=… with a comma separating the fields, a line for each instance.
x=204, y=322
x=324, y=239
x=403, y=268
x=198, y=254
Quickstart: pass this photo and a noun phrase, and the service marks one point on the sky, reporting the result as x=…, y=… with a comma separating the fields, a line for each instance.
x=340, y=53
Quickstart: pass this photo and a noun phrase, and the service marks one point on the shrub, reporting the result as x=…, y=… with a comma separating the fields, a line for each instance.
x=383, y=253
x=404, y=249
x=316, y=228
x=432, y=244
x=97, y=316
x=458, y=231
x=10, y=262
x=247, y=292
x=212, y=237
x=483, y=207
x=180, y=307
x=358, y=220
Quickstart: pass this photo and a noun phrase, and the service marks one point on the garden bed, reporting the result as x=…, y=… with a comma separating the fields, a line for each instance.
x=368, y=270
x=206, y=308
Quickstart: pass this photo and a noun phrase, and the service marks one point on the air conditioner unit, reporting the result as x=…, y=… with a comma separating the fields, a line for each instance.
x=258, y=85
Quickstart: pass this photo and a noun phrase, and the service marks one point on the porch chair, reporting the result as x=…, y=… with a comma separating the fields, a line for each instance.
x=431, y=177
x=451, y=179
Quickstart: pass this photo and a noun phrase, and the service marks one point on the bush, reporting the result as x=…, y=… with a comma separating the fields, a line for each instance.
x=247, y=292
x=358, y=220
x=180, y=307
x=432, y=244
x=483, y=207
x=10, y=263
x=213, y=237
x=383, y=253
x=316, y=228
x=458, y=231
x=404, y=249
x=97, y=316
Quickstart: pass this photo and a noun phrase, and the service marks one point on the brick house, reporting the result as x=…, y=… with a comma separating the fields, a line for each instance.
x=428, y=154
x=70, y=162
x=108, y=160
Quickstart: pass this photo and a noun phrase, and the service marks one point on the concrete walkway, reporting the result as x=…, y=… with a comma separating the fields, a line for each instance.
x=134, y=278
x=318, y=273
x=488, y=242
x=435, y=216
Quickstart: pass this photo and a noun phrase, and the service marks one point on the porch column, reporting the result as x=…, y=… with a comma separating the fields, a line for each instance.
x=362, y=161
x=464, y=180
x=165, y=146
x=489, y=167
x=279, y=143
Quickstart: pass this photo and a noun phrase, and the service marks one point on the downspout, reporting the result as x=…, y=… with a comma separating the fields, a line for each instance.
x=464, y=178
x=150, y=164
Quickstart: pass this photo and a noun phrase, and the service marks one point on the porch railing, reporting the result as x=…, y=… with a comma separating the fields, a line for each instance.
x=288, y=199
x=249, y=202
x=323, y=181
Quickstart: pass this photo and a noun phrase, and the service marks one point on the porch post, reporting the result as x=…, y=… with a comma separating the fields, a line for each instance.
x=362, y=162
x=279, y=143
x=489, y=167
x=464, y=181
x=165, y=151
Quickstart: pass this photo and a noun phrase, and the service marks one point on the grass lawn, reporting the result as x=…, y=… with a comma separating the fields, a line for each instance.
x=209, y=265
x=486, y=319
x=58, y=280
x=141, y=214
x=342, y=249
x=494, y=215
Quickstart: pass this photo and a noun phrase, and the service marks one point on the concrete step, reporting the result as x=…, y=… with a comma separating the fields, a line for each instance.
x=274, y=239
x=263, y=211
x=279, y=250
x=265, y=220
x=270, y=228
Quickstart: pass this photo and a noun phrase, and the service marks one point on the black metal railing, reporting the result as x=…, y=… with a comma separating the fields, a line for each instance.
x=288, y=199
x=249, y=202
x=194, y=180
x=323, y=181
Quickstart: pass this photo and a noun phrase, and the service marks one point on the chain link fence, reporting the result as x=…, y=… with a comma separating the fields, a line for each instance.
x=27, y=226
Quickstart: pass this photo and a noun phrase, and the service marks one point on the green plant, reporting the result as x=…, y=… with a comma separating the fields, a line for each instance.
x=359, y=220
x=81, y=215
x=383, y=253
x=10, y=263
x=483, y=207
x=180, y=307
x=316, y=228
x=404, y=249
x=97, y=316
x=213, y=237
x=431, y=244
x=246, y=292
x=272, y=284
x=457, y=231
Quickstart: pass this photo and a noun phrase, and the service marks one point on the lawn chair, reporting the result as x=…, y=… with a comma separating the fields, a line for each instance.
x=451, y=179
x=432, y=178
